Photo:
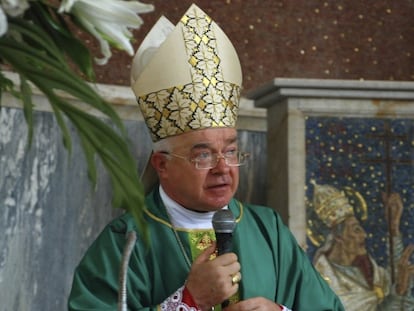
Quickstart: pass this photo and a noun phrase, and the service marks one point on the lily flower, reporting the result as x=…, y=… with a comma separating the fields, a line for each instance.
x=14, y=7
x=3, y=22
x=109, y=21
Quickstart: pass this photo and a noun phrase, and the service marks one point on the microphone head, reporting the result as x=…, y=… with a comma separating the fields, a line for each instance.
x=223, y=221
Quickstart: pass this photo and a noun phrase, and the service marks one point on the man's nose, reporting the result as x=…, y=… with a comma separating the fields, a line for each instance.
x=221, y=163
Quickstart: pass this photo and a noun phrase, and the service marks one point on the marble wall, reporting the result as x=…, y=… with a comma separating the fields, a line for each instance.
x=49, y=212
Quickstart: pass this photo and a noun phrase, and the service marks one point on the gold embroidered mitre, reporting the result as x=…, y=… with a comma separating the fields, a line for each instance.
x=331, y=205
x=186, y=77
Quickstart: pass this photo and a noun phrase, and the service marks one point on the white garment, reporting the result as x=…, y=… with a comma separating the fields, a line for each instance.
x=350, y=285
x=183, y=218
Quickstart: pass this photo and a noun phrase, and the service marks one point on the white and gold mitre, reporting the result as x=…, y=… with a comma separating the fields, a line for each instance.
x=331, y=205
x=186, y=77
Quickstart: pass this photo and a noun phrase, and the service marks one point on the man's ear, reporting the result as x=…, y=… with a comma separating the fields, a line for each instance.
x=158, y=161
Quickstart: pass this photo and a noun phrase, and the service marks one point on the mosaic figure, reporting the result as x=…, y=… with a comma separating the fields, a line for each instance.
x=345, y=263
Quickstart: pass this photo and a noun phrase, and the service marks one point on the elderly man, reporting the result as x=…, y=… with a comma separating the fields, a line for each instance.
x=187, y=81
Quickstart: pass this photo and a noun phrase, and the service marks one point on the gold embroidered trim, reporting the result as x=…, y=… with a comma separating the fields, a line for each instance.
x=151, y=215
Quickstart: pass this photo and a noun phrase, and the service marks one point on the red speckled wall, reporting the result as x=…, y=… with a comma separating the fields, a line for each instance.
x=371, y=40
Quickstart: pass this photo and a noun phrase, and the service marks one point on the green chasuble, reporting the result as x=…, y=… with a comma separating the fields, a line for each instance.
x=272, y=263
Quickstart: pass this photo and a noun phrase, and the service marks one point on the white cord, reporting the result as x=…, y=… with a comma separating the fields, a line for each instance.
x=122, y=294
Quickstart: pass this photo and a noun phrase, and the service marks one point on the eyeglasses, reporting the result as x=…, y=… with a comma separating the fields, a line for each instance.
x=209, y=160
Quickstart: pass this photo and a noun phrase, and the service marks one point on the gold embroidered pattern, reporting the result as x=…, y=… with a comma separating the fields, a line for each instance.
x=331, y=205
x=208, y=101
x=200, y=240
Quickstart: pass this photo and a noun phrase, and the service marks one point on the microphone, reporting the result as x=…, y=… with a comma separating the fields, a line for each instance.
x=224, y=224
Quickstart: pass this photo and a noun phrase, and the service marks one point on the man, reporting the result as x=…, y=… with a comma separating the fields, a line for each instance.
x=187, y=82
x=344, y=260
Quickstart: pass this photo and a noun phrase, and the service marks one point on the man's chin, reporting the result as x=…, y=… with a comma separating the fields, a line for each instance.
x=217, y=204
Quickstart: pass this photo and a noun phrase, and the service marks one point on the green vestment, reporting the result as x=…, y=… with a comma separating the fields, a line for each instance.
x=272, y=263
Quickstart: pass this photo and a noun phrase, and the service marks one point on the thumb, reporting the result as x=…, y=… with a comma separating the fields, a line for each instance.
x=206, y=254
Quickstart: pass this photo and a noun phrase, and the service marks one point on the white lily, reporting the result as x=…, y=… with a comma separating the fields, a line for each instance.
x=14, y=7
x=108, y=21
x=3, y=22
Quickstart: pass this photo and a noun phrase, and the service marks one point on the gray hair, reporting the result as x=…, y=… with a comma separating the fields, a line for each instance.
x=162, y=145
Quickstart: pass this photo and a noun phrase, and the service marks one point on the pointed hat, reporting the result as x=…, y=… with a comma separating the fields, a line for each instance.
x=186, y=77
x=331, y=205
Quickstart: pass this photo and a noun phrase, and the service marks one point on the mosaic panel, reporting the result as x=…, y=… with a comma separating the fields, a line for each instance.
x=369, y=162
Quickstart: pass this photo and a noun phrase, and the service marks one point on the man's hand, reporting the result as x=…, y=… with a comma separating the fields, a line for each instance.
x=210, y=281
x=405, y=270
x=393, y=211
x=257, y=303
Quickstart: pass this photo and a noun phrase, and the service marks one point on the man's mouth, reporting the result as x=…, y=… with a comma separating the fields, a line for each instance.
x=216, y=186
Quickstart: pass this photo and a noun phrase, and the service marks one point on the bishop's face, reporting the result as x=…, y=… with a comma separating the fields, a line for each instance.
x=354, y=237
x=199, y=189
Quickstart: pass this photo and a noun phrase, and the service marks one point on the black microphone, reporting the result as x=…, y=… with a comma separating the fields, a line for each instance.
x=224, y=224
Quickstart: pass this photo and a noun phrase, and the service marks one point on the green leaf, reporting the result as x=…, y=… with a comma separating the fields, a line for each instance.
x=54, y=102
x=7, y=86
x=26, y=92
x=5, y=83
x=40, y=54
x=89, y=152
x=35, y=38
x=56, y=27
x=36, y=65
x=100, y=138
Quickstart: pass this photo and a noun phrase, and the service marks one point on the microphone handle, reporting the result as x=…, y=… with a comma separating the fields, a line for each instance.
x=224, y=245
x=224, y=242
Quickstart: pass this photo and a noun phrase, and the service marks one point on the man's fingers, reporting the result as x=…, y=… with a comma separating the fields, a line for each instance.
x=206, y=254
